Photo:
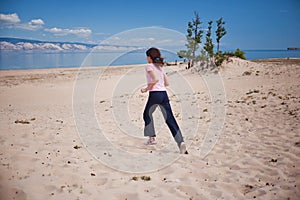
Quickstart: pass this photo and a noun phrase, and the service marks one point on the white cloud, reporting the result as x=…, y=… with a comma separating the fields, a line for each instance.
x=33, y=25
x=36, y=22
x=10, y=18
x=54, y=30
x=13, y=21
x=8, y=46
x=81, y=32
x=59, y=47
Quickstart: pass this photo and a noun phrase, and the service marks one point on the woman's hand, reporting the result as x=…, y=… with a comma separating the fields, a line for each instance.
x=143, y=90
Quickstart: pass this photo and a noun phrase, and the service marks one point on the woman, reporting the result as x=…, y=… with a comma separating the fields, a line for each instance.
x=156, y=85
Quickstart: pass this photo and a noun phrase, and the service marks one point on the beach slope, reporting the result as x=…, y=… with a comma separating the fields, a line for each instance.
x=256, y=155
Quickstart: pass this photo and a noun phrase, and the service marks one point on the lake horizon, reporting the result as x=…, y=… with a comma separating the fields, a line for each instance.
x=26, y=60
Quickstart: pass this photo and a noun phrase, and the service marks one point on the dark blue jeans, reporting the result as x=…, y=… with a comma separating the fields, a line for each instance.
x=161, y=99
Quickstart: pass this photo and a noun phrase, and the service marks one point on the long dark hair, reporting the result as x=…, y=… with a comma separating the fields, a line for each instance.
x=155, y=55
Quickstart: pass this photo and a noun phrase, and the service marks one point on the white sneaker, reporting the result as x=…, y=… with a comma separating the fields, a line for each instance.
x=182, y=148
x=150, y=141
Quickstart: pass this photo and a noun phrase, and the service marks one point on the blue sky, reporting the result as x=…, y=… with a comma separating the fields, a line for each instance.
x=256, y=24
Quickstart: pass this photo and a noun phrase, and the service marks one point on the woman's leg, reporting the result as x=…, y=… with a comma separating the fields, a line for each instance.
x=148, y=118
x=171, y=121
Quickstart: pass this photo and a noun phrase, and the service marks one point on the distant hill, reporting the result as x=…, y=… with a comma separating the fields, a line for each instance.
x=18, y=44
x=17, y=40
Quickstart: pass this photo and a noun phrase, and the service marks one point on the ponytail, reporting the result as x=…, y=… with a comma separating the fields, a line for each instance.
x=158, y=60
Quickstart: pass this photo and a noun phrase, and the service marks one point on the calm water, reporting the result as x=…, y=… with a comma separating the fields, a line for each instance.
x=263, y=54
x=36, y=60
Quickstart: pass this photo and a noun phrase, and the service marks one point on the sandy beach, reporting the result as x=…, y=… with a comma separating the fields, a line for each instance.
x=50, y=150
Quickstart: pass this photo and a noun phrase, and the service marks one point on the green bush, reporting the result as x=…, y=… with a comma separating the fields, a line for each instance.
x=219, y=58
x=240, y=54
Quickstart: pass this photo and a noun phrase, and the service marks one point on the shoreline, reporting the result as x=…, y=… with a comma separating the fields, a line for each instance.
x=73, y=68
x=285, y=60
x=280, y=60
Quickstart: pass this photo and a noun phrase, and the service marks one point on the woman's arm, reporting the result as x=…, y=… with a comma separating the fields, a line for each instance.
x=150, y=85
x=166, y=80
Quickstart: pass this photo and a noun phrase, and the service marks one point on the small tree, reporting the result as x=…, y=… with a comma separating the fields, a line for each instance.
x=194, y=35
x=209, y=46
x=220, y=32
x=185, y=54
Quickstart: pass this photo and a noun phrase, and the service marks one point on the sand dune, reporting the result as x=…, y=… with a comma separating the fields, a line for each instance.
x=243, y=139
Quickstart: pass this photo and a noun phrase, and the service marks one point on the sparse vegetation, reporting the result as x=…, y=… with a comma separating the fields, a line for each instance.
x=220, y=32
x=209, y=46
x=194, y=36
x=207, y=54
